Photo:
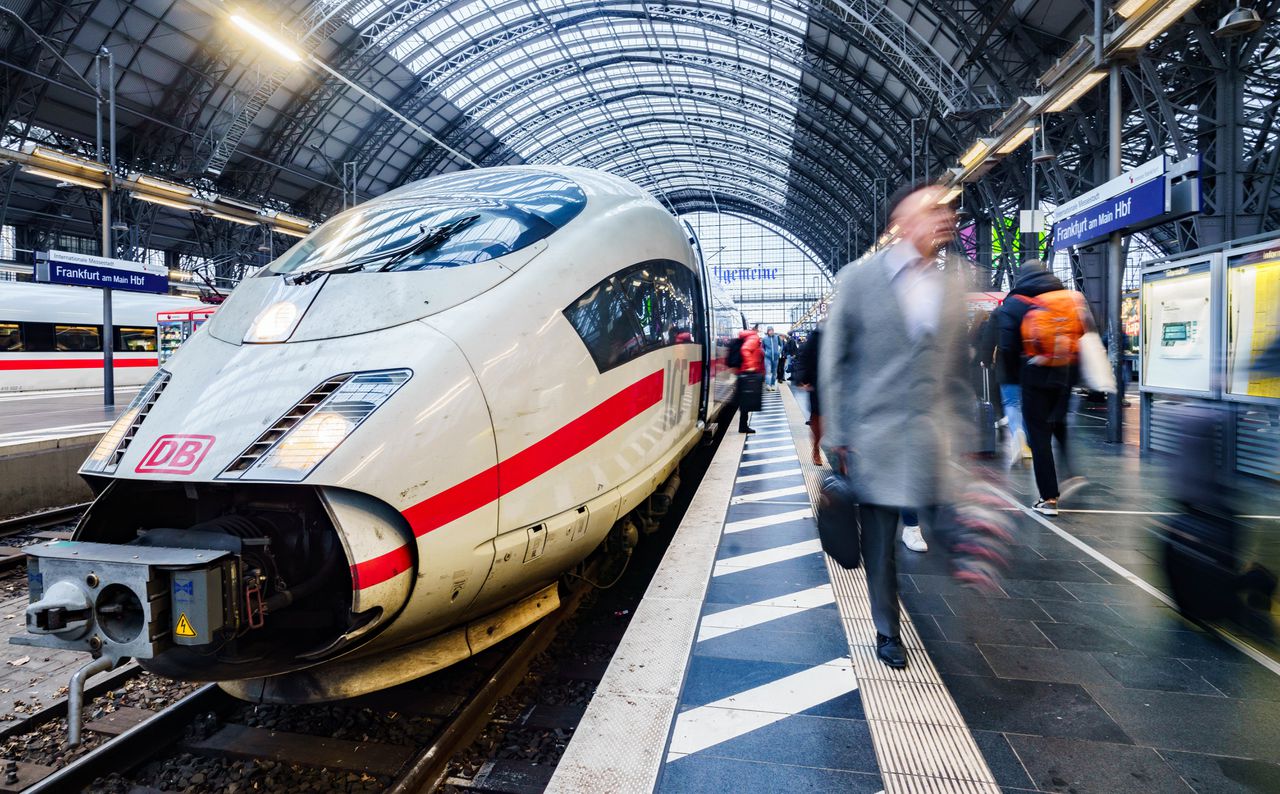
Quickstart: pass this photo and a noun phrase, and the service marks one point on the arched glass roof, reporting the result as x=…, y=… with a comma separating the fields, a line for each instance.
x=699, y=97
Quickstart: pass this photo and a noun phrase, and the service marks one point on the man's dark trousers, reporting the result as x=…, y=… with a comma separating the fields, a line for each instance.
x=1044, y=411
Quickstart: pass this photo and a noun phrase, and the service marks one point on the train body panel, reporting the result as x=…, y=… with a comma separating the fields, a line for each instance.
x=431, y=446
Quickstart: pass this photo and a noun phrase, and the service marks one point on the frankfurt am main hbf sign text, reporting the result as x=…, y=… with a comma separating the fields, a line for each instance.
x=82, y=270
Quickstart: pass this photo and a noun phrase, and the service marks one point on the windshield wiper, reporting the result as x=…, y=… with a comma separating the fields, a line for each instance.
x=427, y=239
x=425, y=242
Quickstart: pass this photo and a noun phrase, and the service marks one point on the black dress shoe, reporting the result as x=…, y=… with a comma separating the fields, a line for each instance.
x=891, y=652
x=748, y=431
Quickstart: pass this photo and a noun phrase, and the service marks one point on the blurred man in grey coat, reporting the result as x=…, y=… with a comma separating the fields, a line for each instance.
x=894, y=389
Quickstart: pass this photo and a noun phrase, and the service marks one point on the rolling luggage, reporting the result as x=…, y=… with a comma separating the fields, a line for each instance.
x=986, y=418
x=750, y=389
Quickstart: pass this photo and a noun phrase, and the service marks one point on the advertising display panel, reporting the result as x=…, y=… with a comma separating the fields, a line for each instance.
x=1177, y=328
x=1253, y=318
x=1131, y=322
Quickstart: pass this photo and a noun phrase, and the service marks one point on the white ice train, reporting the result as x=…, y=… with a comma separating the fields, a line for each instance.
x=391, y=444
x=51, y=336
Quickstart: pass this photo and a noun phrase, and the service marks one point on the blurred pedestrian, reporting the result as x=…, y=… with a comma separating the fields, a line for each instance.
x=789, y=350
x=1040, y=335
x=895, y=386
x=1034, y=279
x=771, y=346
x=750, y=378
x=806, y=377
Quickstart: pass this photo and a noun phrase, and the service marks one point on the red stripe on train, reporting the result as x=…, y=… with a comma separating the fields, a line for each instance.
x=695, y=372
x=519, y=469
x=75, y=363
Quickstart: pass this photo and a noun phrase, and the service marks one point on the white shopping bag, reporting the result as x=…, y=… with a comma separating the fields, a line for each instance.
x=1095, y=368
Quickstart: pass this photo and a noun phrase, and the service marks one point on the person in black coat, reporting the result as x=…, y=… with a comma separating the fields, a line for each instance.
x=805, y=375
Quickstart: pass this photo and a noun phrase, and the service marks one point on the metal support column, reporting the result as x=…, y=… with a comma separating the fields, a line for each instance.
x=1115, y=274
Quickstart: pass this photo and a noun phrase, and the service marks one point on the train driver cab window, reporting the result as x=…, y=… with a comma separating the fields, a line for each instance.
x=135, y=340
x=77, y=338
x=635, y=311
x=10, y=338
x=445, y=222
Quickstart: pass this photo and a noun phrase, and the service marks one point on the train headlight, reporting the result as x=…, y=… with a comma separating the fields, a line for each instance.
x=274, y=323
x=297, y=444
x=313, y=439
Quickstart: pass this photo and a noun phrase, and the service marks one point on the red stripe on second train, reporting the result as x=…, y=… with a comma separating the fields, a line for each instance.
x=76, y=363
x=519, y=469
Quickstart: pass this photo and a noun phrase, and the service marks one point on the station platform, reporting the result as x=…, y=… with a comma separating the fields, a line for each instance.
x=750, y=665
x=37, y=416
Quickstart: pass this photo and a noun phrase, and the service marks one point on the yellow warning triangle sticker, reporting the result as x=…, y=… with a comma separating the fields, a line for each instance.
x=183, y=629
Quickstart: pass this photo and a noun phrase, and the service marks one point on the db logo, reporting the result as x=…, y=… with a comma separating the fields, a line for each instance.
x=175, y=455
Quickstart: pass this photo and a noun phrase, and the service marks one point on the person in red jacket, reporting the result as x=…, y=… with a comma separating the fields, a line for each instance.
x=750, y=377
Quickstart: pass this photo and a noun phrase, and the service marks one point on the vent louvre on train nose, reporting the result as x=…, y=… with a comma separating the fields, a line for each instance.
x=295, y=415
x=115, y=442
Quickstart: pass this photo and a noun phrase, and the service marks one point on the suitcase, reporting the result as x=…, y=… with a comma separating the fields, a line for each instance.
x=986, y=418
x=750, y=388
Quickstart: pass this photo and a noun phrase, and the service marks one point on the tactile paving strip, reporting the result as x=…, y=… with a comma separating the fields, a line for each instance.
x=922, y=743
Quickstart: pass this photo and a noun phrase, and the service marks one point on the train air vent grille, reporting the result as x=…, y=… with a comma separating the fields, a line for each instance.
x=292, y=417
x=144, y=402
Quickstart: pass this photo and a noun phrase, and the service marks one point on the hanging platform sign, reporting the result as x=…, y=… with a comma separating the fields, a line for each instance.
x=1153, y=193
x=82, y=270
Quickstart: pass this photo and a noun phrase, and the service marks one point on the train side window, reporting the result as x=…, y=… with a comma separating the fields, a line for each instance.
x=38, y=337
x=77, y=338
x=11, y=338
x=635, y=311
x=135, y=340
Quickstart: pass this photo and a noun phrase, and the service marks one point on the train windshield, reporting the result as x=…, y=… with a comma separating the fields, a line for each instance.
x=445, y=222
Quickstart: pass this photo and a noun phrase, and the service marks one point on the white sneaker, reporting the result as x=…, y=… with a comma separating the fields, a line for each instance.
x=912, y=539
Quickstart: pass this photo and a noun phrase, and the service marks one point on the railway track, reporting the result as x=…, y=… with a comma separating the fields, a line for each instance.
x=209, y=741
x=40, y=526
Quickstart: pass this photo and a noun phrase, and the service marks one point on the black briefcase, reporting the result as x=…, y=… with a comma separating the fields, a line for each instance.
x=838, y=527
x=750, y=385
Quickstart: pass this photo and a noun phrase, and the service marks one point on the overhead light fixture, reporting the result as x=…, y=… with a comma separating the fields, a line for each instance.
x=1128, y=8
x=1068, y=98
x=166, y=186
x=976, y=152
x=299, y=233
x=1155, y=25
x=56, y=156
x=58, y=176
x=949, y=195
x=244, y=205
x=164, y=202
x=119, y=226
x=1020, y=137
x=271, y=41
x=293, y=220
x=222, y=216
x=1238, y=22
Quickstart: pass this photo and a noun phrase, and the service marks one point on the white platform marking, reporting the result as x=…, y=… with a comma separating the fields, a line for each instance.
x=767, y=495
x=778, y=448
x=731, y=717
x=744, y=617
x=768, y=437
x=757, y=559
x=767, y=521
x=769, y=475
x=762, y=462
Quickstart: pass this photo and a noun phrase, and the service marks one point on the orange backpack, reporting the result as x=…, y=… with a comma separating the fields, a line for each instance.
x=1052, y=327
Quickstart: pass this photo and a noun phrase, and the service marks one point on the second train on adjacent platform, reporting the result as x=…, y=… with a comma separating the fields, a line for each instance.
x=383, y=451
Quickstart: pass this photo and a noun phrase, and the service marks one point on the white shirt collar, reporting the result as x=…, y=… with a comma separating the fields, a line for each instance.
x=899, y=255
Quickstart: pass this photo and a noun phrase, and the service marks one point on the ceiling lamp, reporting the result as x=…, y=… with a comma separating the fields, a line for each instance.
x=1020, y=137
x=1156, y=24
x=1239, y=22
x=1068, y=98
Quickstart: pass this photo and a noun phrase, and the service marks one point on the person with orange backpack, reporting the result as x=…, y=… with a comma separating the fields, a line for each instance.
x=1040, y=326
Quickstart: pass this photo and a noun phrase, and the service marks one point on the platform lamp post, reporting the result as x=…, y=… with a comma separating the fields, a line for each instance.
x=108, y=250
x=108, y=374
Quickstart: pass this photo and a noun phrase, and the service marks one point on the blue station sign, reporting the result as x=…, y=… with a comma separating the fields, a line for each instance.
x=83, y=270
x=1155, y=192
